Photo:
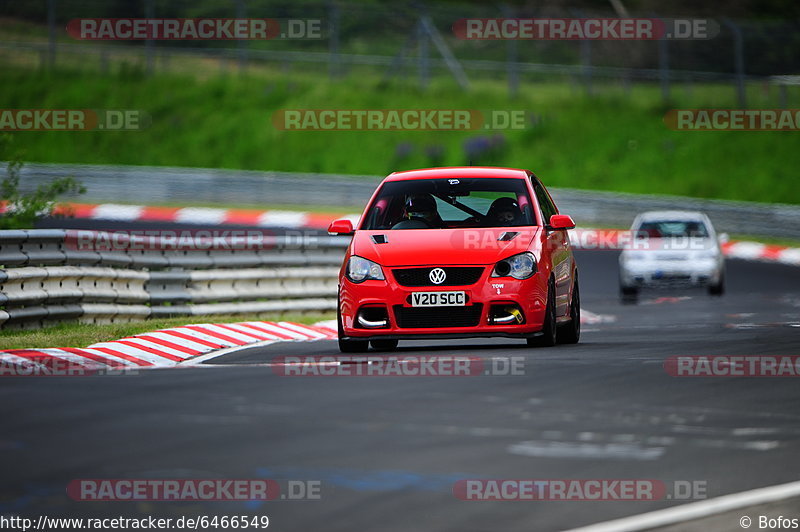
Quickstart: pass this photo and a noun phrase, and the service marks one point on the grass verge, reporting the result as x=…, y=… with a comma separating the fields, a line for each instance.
x=613, y=140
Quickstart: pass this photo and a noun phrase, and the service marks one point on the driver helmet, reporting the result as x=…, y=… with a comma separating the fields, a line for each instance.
x=421, y=206
x=504, y=211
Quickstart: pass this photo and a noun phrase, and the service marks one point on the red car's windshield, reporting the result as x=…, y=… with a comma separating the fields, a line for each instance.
x=450, y=203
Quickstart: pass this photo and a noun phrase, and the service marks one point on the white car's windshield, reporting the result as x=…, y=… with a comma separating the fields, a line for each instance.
x=450, y=203
x=672, y=229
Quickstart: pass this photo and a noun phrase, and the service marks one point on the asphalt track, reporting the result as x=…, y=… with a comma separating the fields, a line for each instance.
x=387, y=450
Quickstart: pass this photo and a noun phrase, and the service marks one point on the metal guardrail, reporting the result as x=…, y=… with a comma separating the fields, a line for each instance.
x=145, y=184
x=45, y=279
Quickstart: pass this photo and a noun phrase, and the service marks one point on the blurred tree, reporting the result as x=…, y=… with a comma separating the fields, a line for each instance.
x=23, y=209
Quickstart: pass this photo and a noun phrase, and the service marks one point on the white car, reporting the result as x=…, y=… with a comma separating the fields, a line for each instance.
x=672, y=249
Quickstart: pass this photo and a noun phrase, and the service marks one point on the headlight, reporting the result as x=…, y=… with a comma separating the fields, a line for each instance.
x=710, y=254
x=634, y=256
x=519, y=266
x=360, y=269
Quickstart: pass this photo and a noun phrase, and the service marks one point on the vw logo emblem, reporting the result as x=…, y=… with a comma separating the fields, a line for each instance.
x=437, y=276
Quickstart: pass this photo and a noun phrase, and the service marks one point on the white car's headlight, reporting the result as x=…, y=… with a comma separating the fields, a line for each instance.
x=634, y=256
x=519, y=266
x=711, y=254
x=360, y=269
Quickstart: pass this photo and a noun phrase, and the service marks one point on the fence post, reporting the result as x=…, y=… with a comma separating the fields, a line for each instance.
x=241, y=44
x=512, y=57
x=423, y=55
x=149, y=44
x=738, y=47
x=51, y=23
x=333, y=40
x=663, y=68
x=586, y=56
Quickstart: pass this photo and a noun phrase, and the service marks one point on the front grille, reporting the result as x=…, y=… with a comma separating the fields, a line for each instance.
x=435, y=317
x=456, y=276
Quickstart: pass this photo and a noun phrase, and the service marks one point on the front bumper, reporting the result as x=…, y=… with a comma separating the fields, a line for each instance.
x=670, y=273
x=484, y=298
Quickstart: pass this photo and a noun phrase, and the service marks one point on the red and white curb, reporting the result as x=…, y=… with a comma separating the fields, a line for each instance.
x=202, y=215
x=613, y=239
x=185, y=345
x=158, y=349
x=762, y=252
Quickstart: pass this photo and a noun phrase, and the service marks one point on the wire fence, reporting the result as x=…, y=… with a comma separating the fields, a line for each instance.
x=405, y=41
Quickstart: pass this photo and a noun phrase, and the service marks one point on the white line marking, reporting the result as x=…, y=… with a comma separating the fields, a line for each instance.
x=220, y=352
x=582, y=450
x=696, y=510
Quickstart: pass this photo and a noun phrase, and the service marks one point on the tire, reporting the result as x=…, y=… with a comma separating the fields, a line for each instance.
x=384, y=345
x=628, y=294
x=348, y=345
x=719, y=288
x=549, y=330
x=570, y=333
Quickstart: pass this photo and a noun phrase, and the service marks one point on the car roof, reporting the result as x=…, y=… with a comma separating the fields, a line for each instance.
x=460, y=171
x=651, y=216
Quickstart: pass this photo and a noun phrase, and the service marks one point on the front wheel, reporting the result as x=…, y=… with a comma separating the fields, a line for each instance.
x=548, y=336
x=628, y=294
x=348, y=345
x=718, y=288
x=384, y=345
x=570, y=333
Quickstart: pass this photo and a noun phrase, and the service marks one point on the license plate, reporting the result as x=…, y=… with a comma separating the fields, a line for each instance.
x=438, y=299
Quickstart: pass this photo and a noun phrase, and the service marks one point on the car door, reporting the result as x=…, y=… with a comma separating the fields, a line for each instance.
x=557, y=242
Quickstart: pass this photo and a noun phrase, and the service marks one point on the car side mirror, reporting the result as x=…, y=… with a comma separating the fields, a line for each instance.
x=723, y=238
x=561, y=221
x=341, y=227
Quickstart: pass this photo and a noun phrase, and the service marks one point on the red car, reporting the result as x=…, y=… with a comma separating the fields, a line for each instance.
x=458, y=253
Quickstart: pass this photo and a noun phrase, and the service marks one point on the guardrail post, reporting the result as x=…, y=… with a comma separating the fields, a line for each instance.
x=149, y=44
x=738, y=50
x=51, y=24
x=663, y=67
x=512, y=49
x=423, y=55
x=333, y=40
x=241, y=44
